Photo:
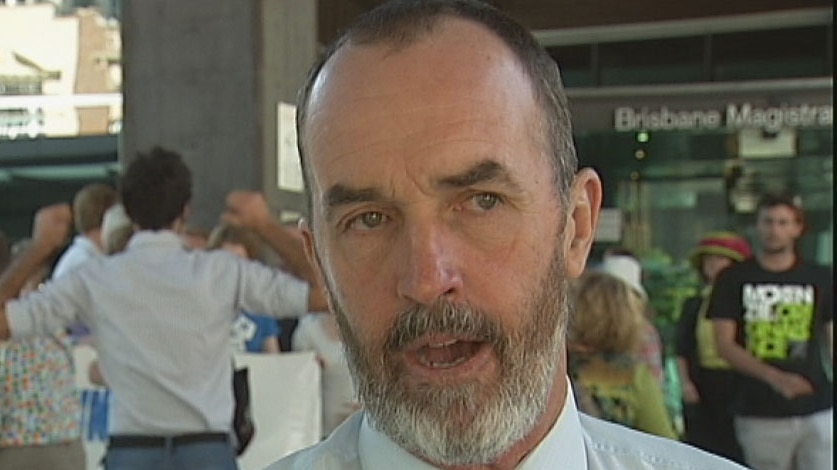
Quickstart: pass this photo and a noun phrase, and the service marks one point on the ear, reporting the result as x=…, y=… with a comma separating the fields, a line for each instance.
x=582, y=220
x=801, y=229
x=311, y=253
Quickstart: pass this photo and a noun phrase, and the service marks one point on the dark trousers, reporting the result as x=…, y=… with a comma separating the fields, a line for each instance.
x=709, y=423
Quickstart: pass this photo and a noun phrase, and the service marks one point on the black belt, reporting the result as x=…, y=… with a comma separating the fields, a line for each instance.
x=164, y=441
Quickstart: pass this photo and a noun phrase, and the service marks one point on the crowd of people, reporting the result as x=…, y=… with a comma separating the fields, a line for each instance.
x=163, y=317
x=446, y=293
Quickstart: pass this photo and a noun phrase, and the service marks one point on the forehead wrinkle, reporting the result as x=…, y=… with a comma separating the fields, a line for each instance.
x=368, y=119
x=469, y=135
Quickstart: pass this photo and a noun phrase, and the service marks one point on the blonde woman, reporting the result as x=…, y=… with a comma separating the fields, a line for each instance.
x=605, y=333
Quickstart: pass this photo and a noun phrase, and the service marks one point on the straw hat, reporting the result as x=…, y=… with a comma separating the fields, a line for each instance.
x=726, y=244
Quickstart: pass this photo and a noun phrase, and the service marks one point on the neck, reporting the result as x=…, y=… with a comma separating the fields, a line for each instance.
x=95, y=237
x=777, y=261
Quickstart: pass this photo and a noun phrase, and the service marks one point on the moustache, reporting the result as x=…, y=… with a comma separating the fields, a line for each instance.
x=443, y=318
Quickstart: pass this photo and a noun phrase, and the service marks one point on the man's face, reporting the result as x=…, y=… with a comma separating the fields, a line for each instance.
x=439, y=235
x=777, y=228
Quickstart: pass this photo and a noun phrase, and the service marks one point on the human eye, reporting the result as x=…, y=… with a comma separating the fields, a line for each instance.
x=485, y=201
x=366, y=221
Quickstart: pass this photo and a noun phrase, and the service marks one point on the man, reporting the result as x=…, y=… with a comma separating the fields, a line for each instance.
x=89, y=206
x=773, y=317
x=447, y=216
x=160, y=316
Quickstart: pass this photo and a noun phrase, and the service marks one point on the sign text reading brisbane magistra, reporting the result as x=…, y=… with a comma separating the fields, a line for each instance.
x=771, y=119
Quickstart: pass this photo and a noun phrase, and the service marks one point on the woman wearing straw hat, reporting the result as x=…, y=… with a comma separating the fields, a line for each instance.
x=707, y=381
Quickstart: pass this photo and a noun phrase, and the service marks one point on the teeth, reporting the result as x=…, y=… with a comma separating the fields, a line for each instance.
x=446, y=353
x=441, y=365
x=441, y=345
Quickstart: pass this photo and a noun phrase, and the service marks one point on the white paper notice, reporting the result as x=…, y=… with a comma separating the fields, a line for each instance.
x=289, y=177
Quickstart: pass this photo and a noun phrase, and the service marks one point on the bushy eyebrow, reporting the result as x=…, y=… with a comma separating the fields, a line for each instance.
x=342, y=195
x=482, y=172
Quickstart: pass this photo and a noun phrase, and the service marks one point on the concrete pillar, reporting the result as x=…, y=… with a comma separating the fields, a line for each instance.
x=288, y=44
x=203, y=77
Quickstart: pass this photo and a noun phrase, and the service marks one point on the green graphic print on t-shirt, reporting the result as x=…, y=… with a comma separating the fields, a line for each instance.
x=778, y=320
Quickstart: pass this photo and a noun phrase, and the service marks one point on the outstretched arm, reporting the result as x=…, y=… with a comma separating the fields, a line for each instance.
x=249, y=209
x=49, y=231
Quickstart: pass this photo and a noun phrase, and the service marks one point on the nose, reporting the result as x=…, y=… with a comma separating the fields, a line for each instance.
x=772, y=226
x=430, y=268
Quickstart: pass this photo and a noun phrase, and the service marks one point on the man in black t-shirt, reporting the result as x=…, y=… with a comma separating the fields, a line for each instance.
x=773, y=317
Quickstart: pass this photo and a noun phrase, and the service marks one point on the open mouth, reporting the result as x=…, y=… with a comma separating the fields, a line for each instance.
x=447, y=358
x=447, y=354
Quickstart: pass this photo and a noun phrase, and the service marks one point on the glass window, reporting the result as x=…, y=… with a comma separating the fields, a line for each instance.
x=671, y=60
x=784, y=53
x=687, y=183
x=576, y=65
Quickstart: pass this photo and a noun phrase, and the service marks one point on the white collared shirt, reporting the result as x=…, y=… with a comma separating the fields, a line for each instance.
x=161, y=317
x=575, y=442
x=80, y=251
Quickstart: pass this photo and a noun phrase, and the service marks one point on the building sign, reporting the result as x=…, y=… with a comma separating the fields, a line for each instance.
x=735, y=116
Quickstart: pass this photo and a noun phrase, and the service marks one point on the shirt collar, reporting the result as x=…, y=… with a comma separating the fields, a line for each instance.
x=563, y=443
x=158, y=238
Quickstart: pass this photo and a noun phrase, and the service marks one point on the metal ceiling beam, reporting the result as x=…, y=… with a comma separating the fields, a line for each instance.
x=691, y=27
x=58, y=151
x=709, y=88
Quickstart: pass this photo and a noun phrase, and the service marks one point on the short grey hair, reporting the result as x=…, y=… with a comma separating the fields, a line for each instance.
x=400, y=23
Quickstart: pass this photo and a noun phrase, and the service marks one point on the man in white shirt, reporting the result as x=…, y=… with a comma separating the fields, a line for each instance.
x=89, y=206
x=160, y=316
x=447, y=215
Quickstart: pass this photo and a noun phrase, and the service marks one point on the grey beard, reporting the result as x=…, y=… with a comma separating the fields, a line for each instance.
x=471, y=423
